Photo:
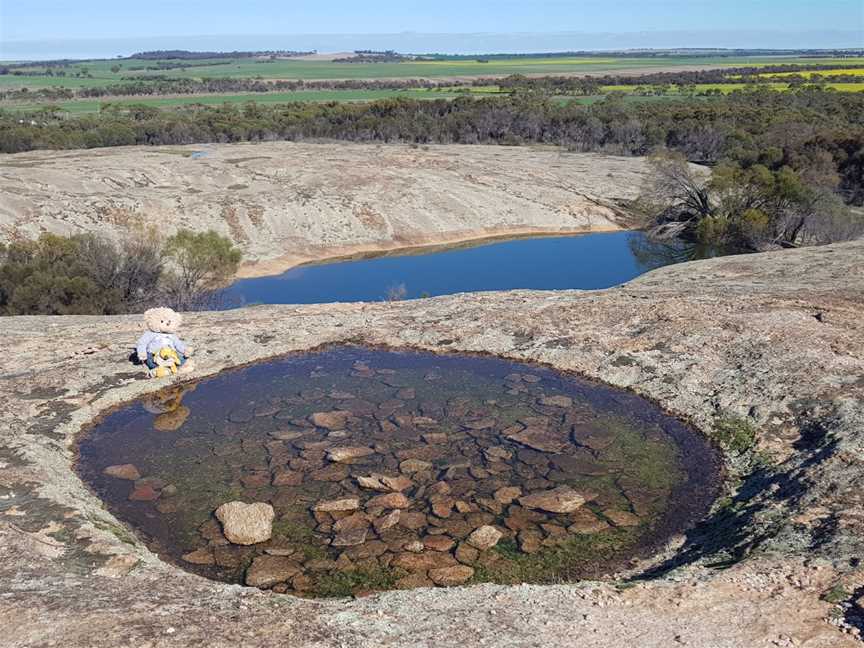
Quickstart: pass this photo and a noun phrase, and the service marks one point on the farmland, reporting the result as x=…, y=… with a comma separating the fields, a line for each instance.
x=633, y=93
x=85, y=74
x=75, y=88
x=856, y=72
x=312, y=96
x=726, y=88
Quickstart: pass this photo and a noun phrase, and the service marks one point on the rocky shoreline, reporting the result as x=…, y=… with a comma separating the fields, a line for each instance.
x=775, y=339
x=286, y=203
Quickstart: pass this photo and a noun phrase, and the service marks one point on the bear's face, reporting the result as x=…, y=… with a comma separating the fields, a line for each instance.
x=163, y=320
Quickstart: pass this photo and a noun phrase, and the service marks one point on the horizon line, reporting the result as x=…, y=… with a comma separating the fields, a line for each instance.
x=838, y=30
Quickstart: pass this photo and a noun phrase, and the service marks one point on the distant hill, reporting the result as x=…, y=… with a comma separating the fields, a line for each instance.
x=193, y=56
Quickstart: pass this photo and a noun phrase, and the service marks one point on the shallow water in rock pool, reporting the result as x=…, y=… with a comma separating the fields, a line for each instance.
x=446, y=469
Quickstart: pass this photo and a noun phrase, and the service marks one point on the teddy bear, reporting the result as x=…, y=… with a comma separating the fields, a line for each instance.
x=159, y=348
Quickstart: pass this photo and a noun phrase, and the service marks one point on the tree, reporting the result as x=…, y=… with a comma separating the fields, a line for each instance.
x=676, y=197
x=750, y=207
x=200, y=265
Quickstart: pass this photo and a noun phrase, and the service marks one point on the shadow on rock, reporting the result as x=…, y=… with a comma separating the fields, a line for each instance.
x=758, y=512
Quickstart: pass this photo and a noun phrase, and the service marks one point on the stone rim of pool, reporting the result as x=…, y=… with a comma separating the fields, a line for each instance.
x=687, y=437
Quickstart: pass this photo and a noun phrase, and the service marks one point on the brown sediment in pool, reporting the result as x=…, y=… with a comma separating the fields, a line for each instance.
x=389, y=469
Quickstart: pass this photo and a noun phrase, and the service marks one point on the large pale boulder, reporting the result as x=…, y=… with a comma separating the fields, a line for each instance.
x=246, y=524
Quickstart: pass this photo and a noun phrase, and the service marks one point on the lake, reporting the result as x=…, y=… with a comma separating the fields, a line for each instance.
x=589, y=261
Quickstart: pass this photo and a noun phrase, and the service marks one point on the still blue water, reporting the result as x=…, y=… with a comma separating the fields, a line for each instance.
x=589, y=261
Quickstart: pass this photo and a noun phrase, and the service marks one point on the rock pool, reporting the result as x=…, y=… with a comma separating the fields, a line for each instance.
x=584, y=262
x=398, y=469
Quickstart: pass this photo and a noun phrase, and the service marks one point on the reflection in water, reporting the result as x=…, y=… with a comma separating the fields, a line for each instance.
x=168, y=406
x=398, y=469
x=652, y=253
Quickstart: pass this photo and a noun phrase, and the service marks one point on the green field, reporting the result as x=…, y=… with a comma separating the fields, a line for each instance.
x=633, y=92
x=101, y=74
x=856, y=72
x=318, y=96
x=727, y=88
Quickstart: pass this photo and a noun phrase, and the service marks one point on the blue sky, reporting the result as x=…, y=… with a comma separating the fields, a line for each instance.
x=47, y=19
x=44, y=29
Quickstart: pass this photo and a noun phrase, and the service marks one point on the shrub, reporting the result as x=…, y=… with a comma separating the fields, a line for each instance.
x=201, y=264
x=396, y=292
x=734, y=434
x=754, y=224
x=712, y=230
x=745, y=208
x=88, y=274
x=51, y=276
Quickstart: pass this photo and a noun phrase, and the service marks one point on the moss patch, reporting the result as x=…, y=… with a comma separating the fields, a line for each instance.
x=345, y=583
x=734, y=434
x=552, y=564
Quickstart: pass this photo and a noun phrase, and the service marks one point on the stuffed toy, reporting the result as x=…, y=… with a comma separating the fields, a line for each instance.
x=167, y=362
x=159, y=348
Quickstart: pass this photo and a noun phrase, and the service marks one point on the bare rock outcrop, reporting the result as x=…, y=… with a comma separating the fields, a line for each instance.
x=270, y=197
x=773, y=339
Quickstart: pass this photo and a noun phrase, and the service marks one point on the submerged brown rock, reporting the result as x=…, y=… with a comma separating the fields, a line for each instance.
x=347, y=454
x=346, y=504
x=562, y=499
x=484, y=537
x=123, y=471
x=266, y=571
x=449, y=576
